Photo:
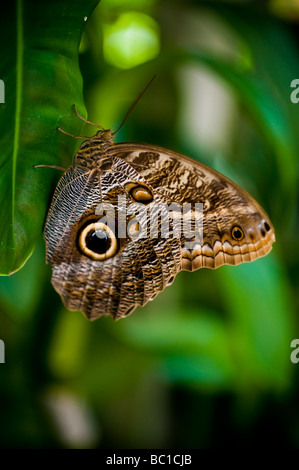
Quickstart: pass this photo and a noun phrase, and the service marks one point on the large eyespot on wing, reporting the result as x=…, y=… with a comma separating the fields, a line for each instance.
x=94, y=270
x=92, y=279
x=97, y=241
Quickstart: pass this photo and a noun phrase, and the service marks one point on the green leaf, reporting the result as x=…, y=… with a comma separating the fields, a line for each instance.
x=262, y=321
x=42, y=80
x=267, y=111
x=193, y=346
x=266, y=91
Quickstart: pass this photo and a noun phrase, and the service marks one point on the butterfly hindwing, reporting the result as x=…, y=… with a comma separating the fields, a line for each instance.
x=235, y=228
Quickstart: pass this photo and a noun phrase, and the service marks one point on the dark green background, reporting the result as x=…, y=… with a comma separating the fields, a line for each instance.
x=207, y=364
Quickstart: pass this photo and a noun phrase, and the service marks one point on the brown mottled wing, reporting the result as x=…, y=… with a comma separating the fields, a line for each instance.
x=143, y=267
x=176, y=178
x=116, y=286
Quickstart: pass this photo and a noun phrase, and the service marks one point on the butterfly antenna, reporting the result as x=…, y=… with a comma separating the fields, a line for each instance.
x=85, y=120
x=60, y=168
x=134, y=104
x=73, y=135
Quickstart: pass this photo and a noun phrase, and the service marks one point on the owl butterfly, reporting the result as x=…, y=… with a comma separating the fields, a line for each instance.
x=107, y=260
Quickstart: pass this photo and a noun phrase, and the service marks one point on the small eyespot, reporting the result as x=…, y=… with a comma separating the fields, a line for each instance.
x=237, y=234
x=133, y=228
x=140, y=193
x=267, y=226
x=97, y=241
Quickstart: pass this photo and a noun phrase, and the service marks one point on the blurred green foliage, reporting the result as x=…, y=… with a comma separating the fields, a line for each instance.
x=207, y=364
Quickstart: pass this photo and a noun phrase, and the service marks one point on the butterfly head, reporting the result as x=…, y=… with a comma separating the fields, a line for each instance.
x=103, y=138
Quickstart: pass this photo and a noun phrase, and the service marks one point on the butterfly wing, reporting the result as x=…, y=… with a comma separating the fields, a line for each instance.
x=235, y=229
x=139, y=268
x=112, y=275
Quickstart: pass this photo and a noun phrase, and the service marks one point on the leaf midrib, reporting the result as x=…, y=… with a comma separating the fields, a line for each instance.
x=19, y=81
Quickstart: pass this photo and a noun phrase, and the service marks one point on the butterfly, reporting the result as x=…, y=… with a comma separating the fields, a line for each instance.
x=107, y=259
